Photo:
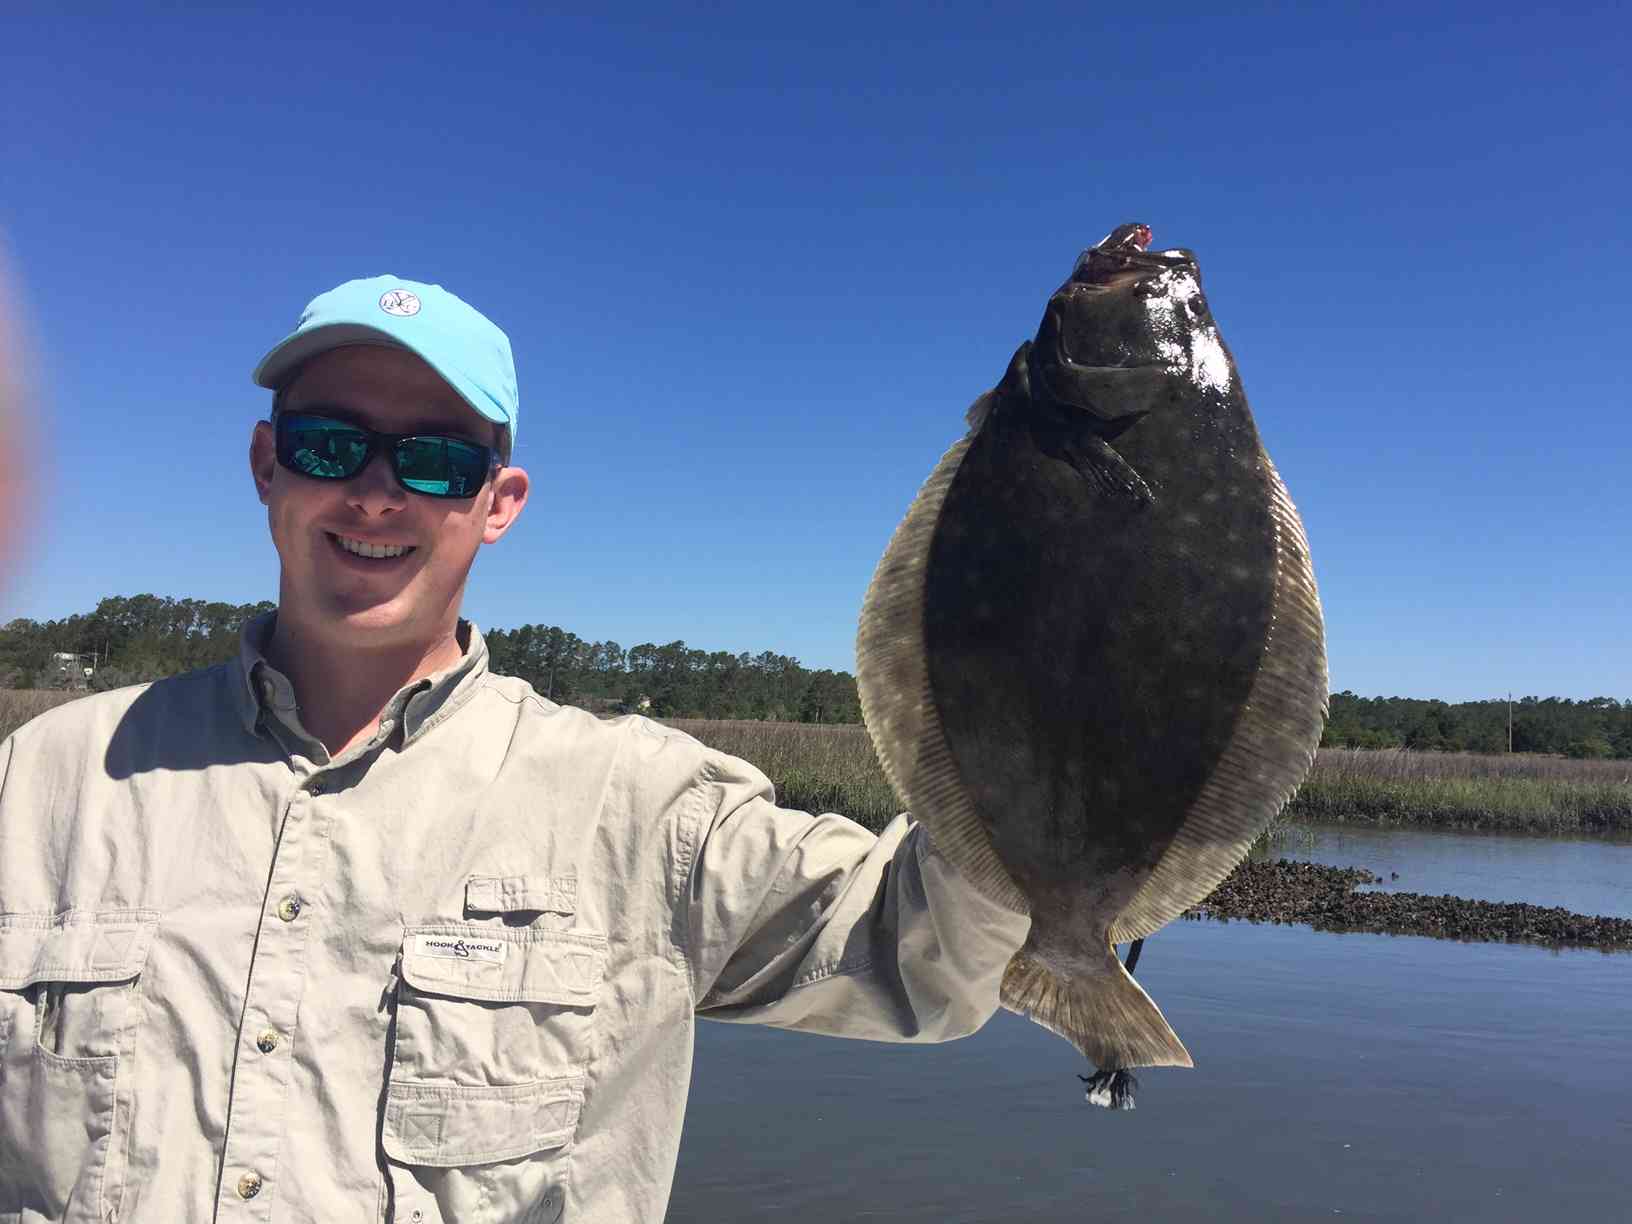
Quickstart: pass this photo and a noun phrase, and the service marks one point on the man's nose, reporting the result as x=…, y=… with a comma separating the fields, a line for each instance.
x=375, y=489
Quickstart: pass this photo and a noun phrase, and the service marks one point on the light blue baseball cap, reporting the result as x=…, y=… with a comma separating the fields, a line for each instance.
x=455, y=339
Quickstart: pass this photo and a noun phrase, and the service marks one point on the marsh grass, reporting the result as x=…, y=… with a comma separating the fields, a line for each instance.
x=814, y=768
x=1519, y=792
x=17, y=706
x=834, y=769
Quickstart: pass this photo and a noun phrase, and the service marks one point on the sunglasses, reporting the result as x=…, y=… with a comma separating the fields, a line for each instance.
x=433, y=465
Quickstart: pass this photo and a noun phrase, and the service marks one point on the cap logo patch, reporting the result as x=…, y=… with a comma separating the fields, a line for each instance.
x=399, y=302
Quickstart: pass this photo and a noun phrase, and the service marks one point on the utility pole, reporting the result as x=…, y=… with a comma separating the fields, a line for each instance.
x=1509, y=722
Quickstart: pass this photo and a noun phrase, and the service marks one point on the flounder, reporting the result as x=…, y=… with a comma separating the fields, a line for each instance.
x=1092, y=659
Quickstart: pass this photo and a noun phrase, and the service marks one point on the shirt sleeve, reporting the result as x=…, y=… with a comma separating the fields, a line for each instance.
x=814, y=923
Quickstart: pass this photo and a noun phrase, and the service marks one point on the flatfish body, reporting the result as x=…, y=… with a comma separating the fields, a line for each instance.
x=1092, y=659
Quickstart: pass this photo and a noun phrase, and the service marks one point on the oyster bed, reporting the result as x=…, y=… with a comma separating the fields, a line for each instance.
x=1326, y=899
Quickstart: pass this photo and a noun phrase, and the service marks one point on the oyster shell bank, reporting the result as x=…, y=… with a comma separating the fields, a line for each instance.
x=1092, y=658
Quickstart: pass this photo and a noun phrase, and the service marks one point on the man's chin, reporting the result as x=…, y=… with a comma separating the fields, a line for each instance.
x=386, y=616
x=369, y=622
x=390, y=618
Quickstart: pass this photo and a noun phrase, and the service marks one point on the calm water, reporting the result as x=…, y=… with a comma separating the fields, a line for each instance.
x=1592, y=876
x=1367, y=1076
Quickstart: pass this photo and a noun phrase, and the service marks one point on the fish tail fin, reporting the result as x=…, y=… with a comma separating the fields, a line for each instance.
x=1107, y=1015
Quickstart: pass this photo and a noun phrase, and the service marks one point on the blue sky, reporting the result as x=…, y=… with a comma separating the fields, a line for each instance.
x=755, y=265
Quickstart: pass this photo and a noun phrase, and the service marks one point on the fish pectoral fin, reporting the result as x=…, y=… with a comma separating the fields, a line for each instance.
x=1097, y=461
x=1103, y=1012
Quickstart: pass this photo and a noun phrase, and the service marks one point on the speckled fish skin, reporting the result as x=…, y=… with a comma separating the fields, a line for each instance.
x=1123, y=666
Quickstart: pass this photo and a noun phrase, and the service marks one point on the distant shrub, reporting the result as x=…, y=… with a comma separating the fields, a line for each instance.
x=1590, y=748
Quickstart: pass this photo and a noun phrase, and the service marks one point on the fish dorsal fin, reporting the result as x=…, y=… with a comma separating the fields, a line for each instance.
x=892, y=677
x=1269, y=752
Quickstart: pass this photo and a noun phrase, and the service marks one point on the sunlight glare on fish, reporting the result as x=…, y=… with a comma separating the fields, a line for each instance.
x=1205, y=362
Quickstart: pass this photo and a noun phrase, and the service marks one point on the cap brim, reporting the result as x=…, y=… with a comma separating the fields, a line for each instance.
x=277, y=366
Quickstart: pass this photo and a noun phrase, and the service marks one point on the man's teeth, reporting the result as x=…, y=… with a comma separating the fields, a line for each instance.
x=362, y=548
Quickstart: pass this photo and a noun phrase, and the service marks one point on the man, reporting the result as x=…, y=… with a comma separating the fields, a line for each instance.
x=352, y=928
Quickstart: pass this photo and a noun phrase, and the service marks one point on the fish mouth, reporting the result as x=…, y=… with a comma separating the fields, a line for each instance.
x=1123, y=257
x=1134, y=236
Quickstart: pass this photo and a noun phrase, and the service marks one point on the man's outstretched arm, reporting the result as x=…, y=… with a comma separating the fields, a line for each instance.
x=814, y=923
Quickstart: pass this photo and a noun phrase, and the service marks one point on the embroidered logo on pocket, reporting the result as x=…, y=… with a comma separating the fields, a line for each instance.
x=461, y=947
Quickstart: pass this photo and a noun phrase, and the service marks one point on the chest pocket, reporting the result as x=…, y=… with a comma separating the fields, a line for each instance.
x=68, y=1014
x=494, y=1032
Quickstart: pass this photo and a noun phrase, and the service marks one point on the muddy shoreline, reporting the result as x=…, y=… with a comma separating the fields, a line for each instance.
x=1326, y=899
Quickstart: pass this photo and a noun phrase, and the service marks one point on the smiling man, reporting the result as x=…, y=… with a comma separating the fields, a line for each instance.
x=353, y=928
x=374, y=554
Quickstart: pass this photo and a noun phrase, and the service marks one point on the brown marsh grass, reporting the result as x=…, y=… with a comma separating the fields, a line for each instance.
x=1518, y=792
x=1403, y=765
x=815, y=768
x=833, y=769
x=17, y=706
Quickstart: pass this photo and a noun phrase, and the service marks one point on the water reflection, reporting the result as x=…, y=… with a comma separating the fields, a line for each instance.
x=1588, y=875
x=1373, y=1077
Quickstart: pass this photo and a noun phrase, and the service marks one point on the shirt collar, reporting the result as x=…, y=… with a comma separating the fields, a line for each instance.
x=263, y=692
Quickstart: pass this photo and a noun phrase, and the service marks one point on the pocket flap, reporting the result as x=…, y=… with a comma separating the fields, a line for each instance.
x=505, y=966
x=521, y=894
x=446, y=1125
x=74, y=946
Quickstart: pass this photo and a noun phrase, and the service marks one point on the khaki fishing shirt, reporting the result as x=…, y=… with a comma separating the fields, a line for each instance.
x=449, y=975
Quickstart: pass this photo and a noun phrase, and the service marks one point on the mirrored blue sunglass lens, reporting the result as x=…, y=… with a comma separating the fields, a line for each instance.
x=441, y=467
x=324, y=449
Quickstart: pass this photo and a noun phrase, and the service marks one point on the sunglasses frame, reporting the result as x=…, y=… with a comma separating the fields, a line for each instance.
x=376, y=443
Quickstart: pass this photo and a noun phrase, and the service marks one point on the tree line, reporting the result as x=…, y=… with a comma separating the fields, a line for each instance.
x=672, y=680
x=1596, y=727
x=134, y=639
x=128, y=640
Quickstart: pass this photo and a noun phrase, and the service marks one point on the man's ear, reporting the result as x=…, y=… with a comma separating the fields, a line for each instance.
x=510, y=488
x=263, y=458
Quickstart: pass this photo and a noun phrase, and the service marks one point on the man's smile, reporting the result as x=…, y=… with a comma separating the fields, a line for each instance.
x=368, y=550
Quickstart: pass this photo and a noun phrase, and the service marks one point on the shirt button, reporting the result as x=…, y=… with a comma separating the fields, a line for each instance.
x=267, y=1042
x=249, y=1185
x=289, y=908
x=316, y=788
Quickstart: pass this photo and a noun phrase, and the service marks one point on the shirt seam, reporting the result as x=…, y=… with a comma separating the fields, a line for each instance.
x=489, y=683
x=844, y=968
x=456, y=701
x=124, y=1147
x=686, y=839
